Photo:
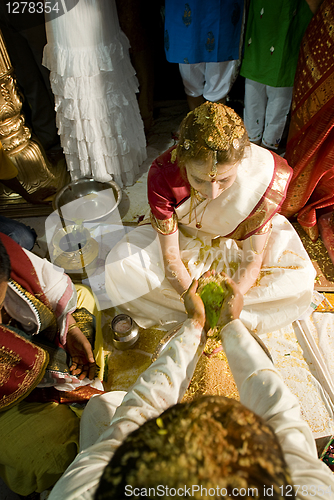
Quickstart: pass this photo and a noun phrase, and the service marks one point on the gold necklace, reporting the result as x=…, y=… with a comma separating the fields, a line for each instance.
x=195, y=194
x=199, y=224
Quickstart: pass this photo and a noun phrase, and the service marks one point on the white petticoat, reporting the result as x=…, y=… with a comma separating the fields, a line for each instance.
x=136, y=283
x=94, y=84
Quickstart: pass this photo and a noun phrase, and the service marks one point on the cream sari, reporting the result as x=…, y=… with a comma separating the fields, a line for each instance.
x=135, y=275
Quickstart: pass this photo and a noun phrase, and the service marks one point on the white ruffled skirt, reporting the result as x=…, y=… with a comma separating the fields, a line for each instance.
x=94, y=84
x=136, y=283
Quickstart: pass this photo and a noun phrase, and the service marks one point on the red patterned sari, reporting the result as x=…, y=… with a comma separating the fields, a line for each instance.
x=310, y=147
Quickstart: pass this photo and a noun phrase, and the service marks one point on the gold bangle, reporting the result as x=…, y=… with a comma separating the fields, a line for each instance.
x=252, y=248
x=71, y=326
x=183, y=293
x=264, y=246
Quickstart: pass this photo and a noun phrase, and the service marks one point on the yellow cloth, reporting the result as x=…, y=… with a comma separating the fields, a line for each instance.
x=39, y=440
x=88, y=300
x=327, y=305
x=29, y=463
x=7, y=167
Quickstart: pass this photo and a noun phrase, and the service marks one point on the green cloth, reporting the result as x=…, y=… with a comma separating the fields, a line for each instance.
x=274, y=32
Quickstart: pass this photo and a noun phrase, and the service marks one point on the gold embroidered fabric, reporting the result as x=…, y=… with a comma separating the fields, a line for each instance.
x=86, y=322
x=315, y=72
x=309, y=148
x=311, y=106
x=265, y=229
x=296, y=194
x=166, y=226
x=8, y=359
x=259, y=221
x=22, y=366
x=59, y=359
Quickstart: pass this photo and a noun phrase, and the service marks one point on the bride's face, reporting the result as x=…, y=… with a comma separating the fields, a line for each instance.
x=210, y=182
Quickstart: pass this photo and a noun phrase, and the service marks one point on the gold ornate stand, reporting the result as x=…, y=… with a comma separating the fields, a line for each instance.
x=28, y=155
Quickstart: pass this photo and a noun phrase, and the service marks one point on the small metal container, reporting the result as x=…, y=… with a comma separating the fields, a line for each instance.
x=125, y=332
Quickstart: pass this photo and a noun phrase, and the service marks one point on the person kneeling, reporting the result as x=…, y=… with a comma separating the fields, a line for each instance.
x=46, y=331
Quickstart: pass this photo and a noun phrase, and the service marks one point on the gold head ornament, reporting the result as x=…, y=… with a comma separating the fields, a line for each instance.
x=220, y=125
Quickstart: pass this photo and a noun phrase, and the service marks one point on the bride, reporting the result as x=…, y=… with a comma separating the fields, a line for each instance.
x=215, y=201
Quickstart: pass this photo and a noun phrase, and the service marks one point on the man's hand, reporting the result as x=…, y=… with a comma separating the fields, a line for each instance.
x=233, y=303
x=80, y=350
x=194, y=304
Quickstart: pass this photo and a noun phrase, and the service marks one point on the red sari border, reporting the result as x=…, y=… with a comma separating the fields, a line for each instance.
x=270, y=203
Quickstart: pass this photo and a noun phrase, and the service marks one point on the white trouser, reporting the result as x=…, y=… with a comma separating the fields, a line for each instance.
x=211, y=80
x=97, y=416
x=266, y=110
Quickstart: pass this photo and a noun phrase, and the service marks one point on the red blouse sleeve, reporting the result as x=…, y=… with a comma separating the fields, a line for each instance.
x=160, y=196
x=167, y=188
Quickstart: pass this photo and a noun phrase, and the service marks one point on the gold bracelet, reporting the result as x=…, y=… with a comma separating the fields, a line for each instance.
x=71, y=326
x=252, y=248
x=183, y=293
x=264, y=246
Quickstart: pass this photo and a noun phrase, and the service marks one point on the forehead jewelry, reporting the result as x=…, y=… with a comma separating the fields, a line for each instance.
x=214, y=170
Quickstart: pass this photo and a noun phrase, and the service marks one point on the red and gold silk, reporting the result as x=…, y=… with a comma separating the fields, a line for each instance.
x=22, y=367
x=310, y=147
x=259, y=220
x=23, y=364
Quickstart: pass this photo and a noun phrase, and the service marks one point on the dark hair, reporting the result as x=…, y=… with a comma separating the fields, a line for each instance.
x=5, y=267
x=213, y=441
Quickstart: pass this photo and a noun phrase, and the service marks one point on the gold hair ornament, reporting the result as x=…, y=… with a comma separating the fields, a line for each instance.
x=220, y=125
x=236, y=144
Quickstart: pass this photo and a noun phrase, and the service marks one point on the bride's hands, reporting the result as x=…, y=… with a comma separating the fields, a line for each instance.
x=194, y=304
